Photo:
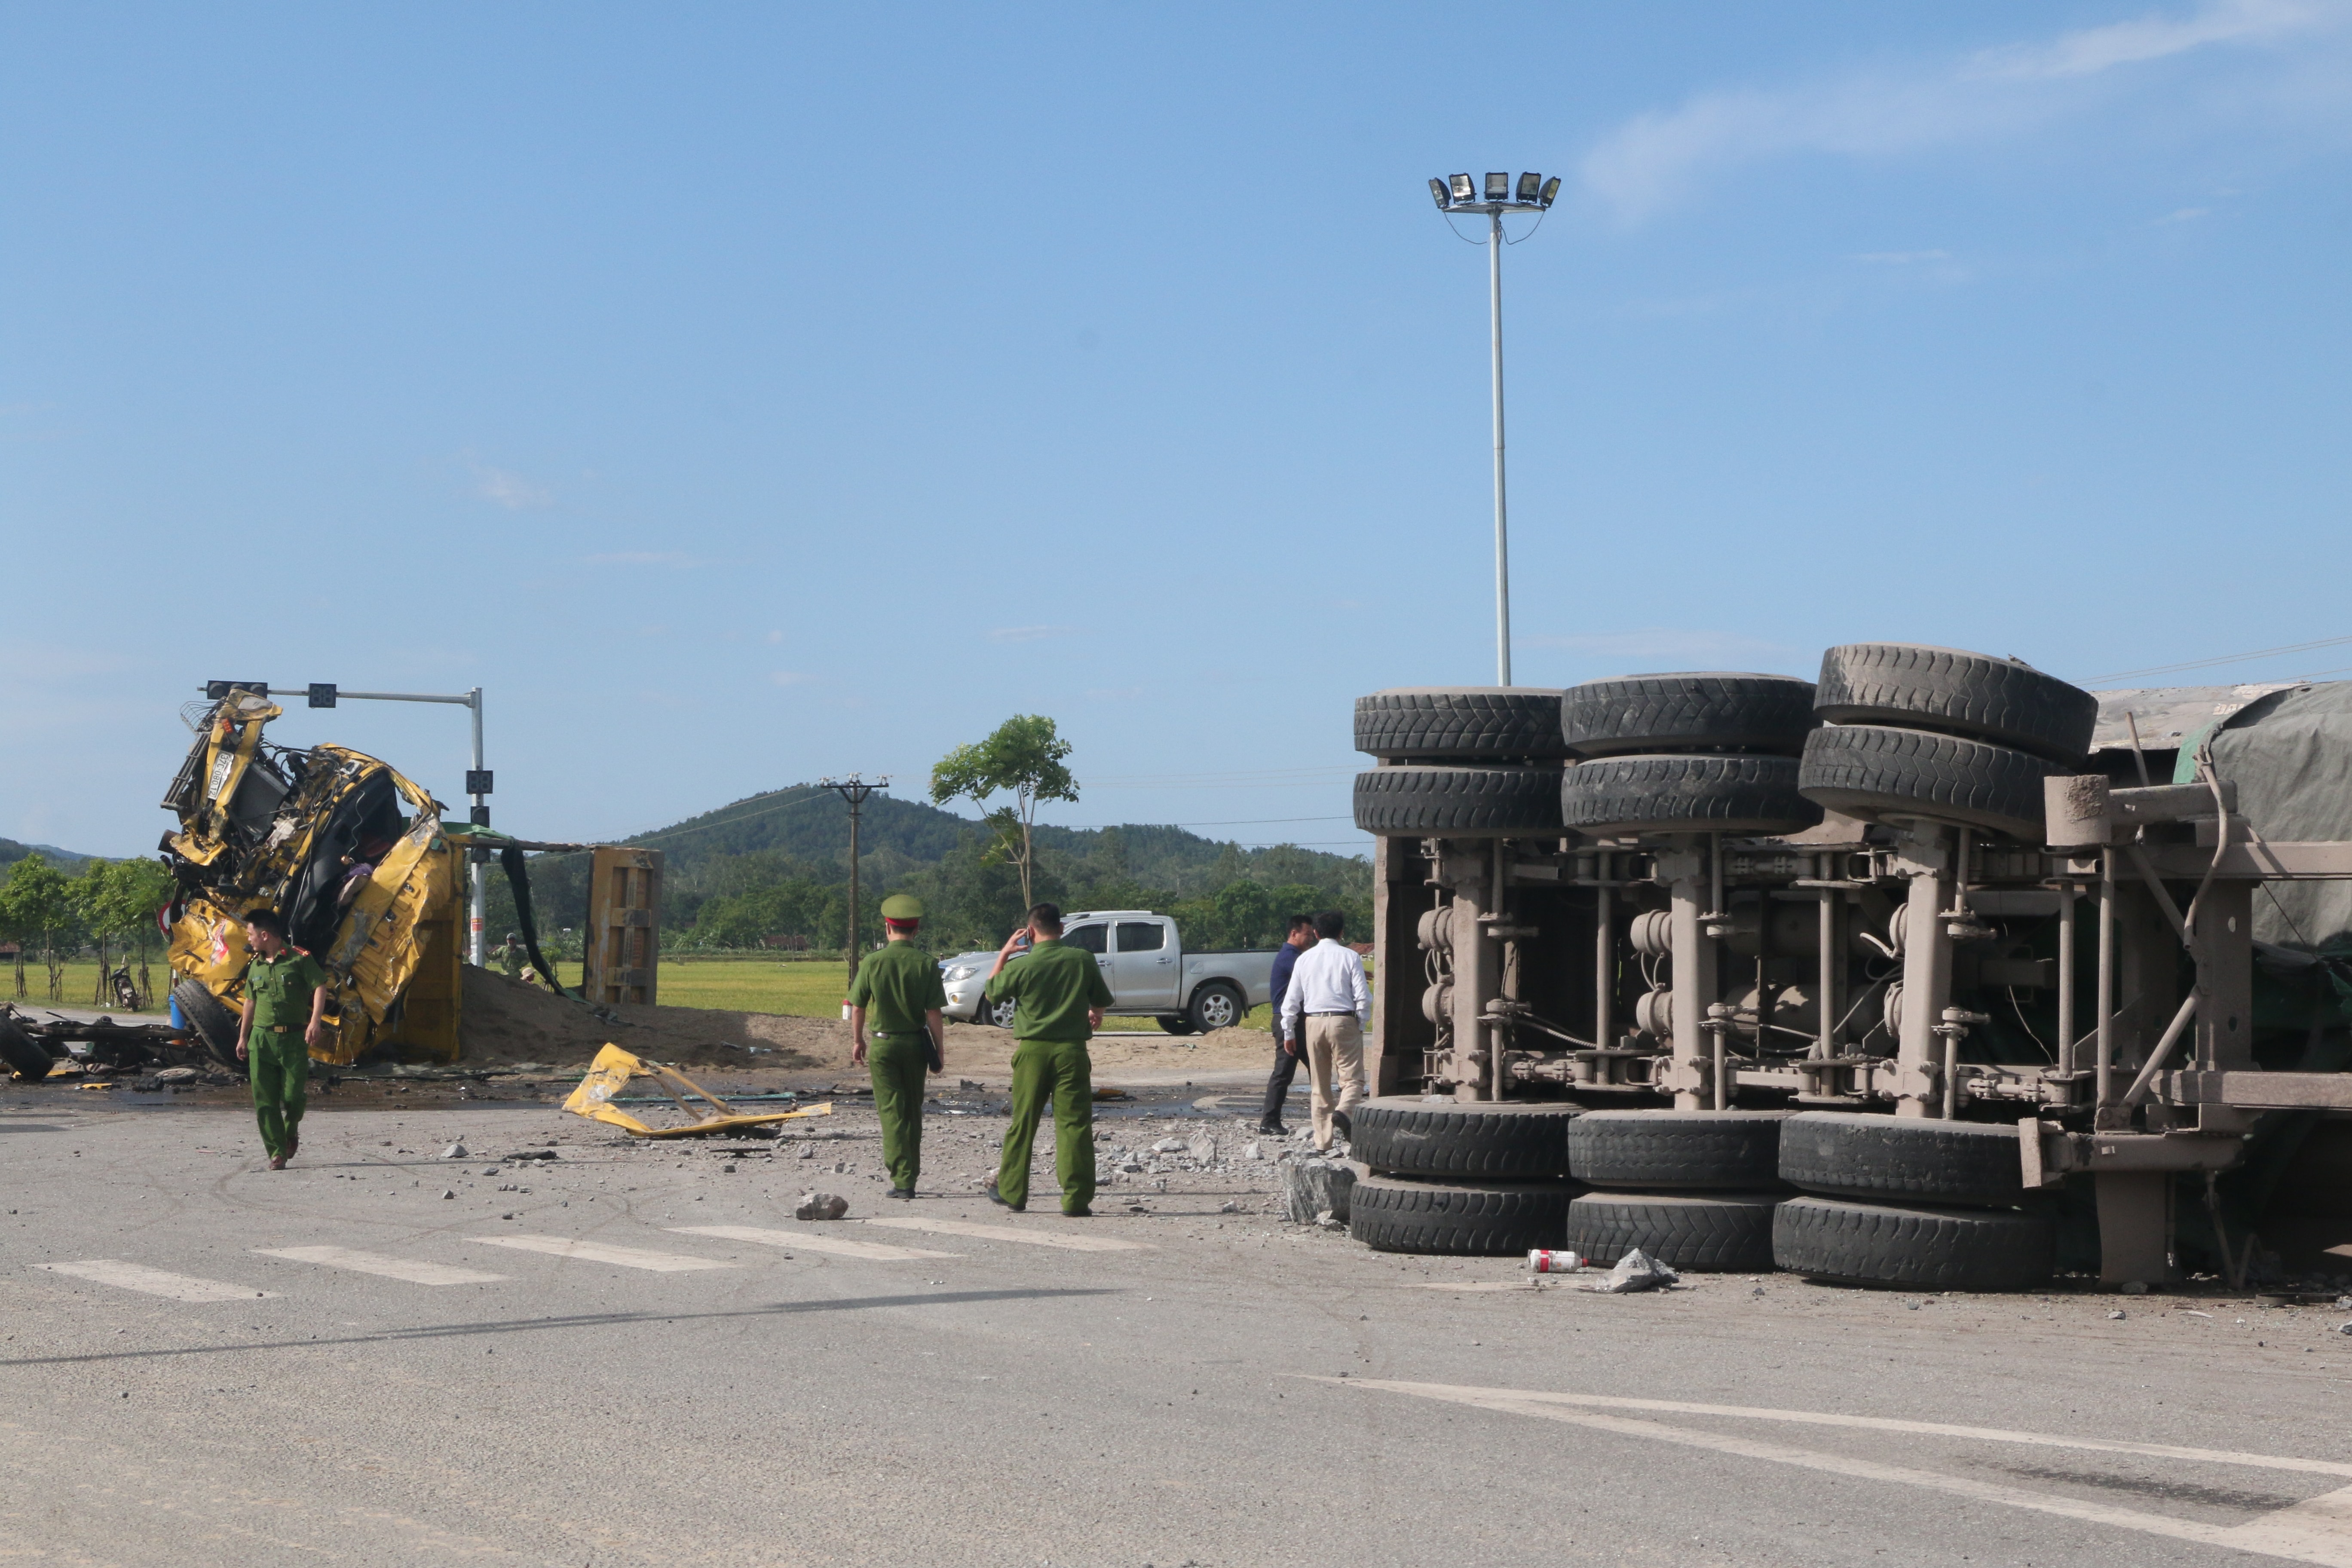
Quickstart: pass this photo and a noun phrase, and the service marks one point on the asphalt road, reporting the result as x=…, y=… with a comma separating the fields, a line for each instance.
x=638, y=1357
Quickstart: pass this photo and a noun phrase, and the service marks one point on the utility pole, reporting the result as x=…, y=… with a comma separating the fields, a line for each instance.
x=1460, y=195
x=854, y=790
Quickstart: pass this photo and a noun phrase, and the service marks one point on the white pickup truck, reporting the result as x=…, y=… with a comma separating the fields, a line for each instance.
x=1142, y=956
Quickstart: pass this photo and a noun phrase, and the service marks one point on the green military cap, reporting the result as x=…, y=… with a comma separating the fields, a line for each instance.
x=902, y=907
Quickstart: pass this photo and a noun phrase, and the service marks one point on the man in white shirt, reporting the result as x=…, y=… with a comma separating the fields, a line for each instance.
x=1326, y=1007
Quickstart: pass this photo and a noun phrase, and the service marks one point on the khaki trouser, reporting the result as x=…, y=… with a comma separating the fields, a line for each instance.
x=1335, y=1044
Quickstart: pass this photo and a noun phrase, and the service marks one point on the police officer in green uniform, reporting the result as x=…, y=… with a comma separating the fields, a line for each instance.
x=285, y=1005
x=899, y=993
x=511, y=956
x=1059, y=997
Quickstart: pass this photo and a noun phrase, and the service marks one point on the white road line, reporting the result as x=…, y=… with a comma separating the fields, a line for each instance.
x=811, y=1241
x=598, y=1252
x=1009, y=1233
x=153, y=1281
x=2317, y=1531
x=1884, y=1423
x=416, y=1273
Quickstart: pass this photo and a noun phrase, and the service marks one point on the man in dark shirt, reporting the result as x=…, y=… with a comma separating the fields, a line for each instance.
x=284, y=1009
x=1059, y=996
x=1286, y=1052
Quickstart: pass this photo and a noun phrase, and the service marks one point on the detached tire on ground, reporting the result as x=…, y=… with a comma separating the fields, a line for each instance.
x=212, y=1023
x=1706, y=712
x=27, y=1059
x=1459, y=803
x=1459, y=722
x=1945, y=1250
x=1499, y=1141
x=1684, y=794
x=1490, y=1220
x=1969, y=694
x=1651, y=1150
x=1707, y=1233
x=1869, y=771
x=1849, y=1154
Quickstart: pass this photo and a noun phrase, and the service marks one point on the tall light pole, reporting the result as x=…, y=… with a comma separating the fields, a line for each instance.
x=1461, y=195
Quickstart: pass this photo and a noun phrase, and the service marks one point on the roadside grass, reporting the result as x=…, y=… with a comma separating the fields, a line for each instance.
x=80, y=982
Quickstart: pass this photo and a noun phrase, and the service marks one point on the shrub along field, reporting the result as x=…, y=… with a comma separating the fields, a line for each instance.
x=805, y=988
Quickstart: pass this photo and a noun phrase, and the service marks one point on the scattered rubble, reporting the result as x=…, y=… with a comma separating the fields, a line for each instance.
x=1315, y=1186
x=456, y=1152
x=1636, y=1272
x=821, y=1205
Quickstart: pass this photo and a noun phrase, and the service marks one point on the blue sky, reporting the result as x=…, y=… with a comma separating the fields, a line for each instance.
x=744, y=393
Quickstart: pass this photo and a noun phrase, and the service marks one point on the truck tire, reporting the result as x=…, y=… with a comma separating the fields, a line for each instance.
x=1967, y=694
x=28, y=1060
x=1216, y=1005
x=1484, y=1141
x=1647, y=1151
x=1459, y=803
x=1941, y=1249
x=1489, y=1220
x=1708, y=712
x=1870, y=771
x=1174, y=1022
x=997, y=1015
x=1705, y=1233
x=1848, y=1154
x=213, y=1024
x=1684, y=793
x=1466, y=723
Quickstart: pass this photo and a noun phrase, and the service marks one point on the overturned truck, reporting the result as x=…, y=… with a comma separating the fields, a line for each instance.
x=1937, y=972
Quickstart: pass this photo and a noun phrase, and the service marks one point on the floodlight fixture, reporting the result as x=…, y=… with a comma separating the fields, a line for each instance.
x=1498, y=187
x=1551, y=189
x=1464, y=190
x=1526, y=190
x=1437, y=194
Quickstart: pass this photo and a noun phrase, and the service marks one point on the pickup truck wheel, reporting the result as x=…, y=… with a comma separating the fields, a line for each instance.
x=213, y=1024
x=1489, y=1220
x=1850, y=1154
x=1175, y=1024
x=997, y=1013
x=1466, y=722
x=1708, y=713
x=1649, y=1150
x=1501, y=1141
x=1946, y=1250
x=1706, y=1232
x=1685, y=793
x=1215, y=1006
x=1968, y=694
x=28, y=1060
x=1459, y=803
x=1871, y=771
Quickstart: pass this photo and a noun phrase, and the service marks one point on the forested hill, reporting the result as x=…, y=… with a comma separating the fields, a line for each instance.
x=63, y=859
x=777, y=864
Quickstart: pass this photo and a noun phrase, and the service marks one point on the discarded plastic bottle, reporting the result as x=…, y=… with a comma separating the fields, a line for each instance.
x=1549, y=1260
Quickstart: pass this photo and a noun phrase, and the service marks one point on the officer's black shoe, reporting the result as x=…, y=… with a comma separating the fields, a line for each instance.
x=1346, y=1128
x=906, y=1193
x=1273, y=1129
x=1081, y=1212
x=996, y=1197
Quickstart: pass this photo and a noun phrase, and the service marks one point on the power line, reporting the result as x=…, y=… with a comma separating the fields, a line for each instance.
x=2224, y=659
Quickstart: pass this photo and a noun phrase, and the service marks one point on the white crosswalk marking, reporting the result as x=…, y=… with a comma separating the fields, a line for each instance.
x=812, y=1241
x=415, y=1272
x=153, y=1281
x=1068, y=1243
x=598, y=1252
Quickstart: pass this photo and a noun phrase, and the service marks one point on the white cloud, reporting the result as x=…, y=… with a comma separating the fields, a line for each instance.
x=776, y=636
x=1656, y=158
x=1030, y=633
x=510, y=491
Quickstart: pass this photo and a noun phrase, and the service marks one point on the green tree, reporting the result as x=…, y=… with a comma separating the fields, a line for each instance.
x=1024, y=759
x=116, y=900
x=39, y=898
